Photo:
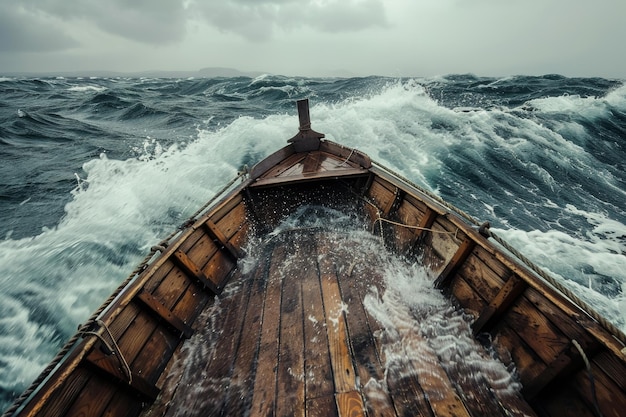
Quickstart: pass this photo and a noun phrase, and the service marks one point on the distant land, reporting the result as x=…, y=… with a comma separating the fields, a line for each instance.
x=202, y=73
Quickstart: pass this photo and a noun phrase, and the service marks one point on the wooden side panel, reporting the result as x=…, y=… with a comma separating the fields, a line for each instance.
x=69, y=391
x=93, y=399
x=232, y=221
x=382, y=194
x=466, y=296
x=408, y=214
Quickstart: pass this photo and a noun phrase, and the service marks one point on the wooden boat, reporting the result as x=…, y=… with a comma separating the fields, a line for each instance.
x=246, y=312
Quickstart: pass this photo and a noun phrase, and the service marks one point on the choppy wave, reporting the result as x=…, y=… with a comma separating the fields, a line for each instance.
x=95, y=171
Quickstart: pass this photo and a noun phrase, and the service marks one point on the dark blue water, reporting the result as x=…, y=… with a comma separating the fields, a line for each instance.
x=95, y=171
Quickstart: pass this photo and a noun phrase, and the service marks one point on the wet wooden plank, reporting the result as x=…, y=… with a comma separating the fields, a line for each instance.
x=218, y=268
x=264, y=396
x=536, y=330
x=165, y=314
x=455, y=263
x=341, y=360
x=284, y=165
x=93, y=399
x=158, y=276
x=123, y=405
x=241, y=384
x=614, y=367
x=509, y=292
x=221, y=238
x=325, y=406
x=436, y=384
x=351, y=155
x=403, y=388
x=221, y=360
x=110, y=366
x=290, y=373
x=134, y=339
x=344, y=173
x=350, y=404
x=466, y=296
x=271, y=161
x=153, y=358
x=528, y=364
x=186, y=374
x=202, y=251
x=67, y=394
x=173, y=287
x=312, y=163
x=563, y=403
x=190, y=268
x=191, y=303
x=318, y=372
x=369, y=369
x=609, y=402
x=233, y=220
x=194, y=239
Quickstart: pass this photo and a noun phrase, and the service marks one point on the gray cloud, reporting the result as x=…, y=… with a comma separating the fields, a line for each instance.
x=147, y=21
x=21, y=31
x=26, y=25
x=399, y=37
x=260, y=20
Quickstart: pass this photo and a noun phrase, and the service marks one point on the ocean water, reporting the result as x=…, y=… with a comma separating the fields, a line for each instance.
x=94, y=171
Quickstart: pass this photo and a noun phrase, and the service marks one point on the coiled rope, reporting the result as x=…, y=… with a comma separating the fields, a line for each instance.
x=87, y=329
x=616, y=332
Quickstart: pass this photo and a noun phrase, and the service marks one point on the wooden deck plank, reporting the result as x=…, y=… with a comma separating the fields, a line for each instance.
x=318, y=372
x=239, y=395
x=369, y=369
x=325, y=406
x=290, y=373
x=350, y=404
x=344, y=374
x=224, y=354
x=297, y=340
x=403, y=387
x=264, y=395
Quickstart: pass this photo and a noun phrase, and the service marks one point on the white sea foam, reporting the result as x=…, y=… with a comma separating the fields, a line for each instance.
x=84, y=88
x=423, y=332
x=593, y=266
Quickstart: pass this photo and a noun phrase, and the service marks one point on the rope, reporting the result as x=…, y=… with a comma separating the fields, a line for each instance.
x=347, y=159
x=113, y=349
x=93, y=319
x=616, y=332
x=408, y=226
x=597, y=411
x=430, y=194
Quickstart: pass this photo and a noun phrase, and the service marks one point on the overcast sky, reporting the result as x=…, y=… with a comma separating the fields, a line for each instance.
x=317, y=37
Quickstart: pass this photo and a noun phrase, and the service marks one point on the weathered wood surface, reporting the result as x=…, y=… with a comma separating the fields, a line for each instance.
x=293, y=337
